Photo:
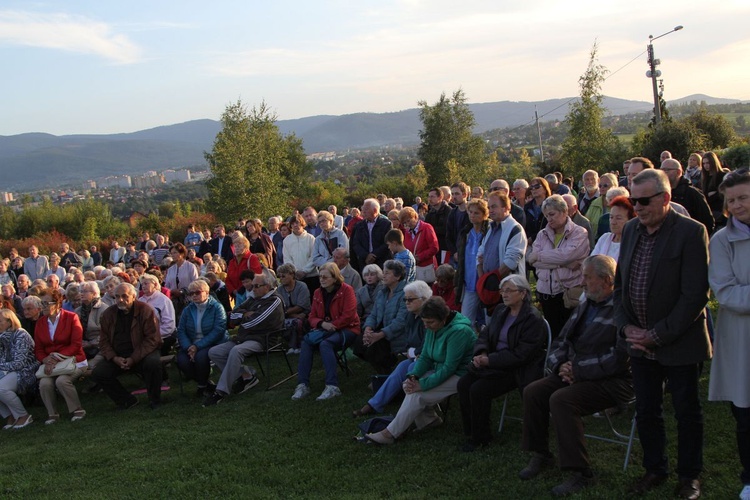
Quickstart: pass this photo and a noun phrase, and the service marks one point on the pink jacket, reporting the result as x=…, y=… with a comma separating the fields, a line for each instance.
x=560, y=268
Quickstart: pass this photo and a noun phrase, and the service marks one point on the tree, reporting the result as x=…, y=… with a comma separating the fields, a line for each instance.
x=589, y=145
x=448, y=145
x=254, y=167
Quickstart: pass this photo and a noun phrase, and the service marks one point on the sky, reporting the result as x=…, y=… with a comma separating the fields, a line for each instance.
x=98, y=67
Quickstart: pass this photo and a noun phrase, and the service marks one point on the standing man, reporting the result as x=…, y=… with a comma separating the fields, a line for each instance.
x=661, y=291
x=338, y=221
x=437, y=217
x=501, y=186
x=36, y=266
x=68, y=257
x=129, y=342
x=193, y=239
x=221, y=244
x=458, y=218
x=590, y=190
x=116, y=253
x=96, y=255
x=368, y=239
x=276, y=238
x=311, y=219
x=686, y=195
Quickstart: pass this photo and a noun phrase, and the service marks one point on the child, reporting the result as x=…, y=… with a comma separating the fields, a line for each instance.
x=395, y=241
x=444, y=286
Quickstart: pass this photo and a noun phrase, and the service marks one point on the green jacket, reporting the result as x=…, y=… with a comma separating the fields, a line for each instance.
x=594, y=213
x=445, y=353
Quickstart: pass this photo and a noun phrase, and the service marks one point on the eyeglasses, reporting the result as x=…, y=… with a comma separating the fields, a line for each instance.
x=535, y=186
x=645, y=200
x=505, y=291
x=195, y=293
x=256, y=286
x=46, y=303
x=604, y=185
x=409, y=300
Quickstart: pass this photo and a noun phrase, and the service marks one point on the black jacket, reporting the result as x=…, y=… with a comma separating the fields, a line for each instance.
x=694, y=202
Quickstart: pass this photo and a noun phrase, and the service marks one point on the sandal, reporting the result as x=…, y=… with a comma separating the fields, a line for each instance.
x=10, y=423
x=78, y=415
x=364, y=411
x=52, y=419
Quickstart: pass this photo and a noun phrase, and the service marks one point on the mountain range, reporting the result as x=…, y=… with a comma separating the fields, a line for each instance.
x=37, y=160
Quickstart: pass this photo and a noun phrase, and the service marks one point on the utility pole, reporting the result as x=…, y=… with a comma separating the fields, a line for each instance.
x=539, y=132
x=654, y=73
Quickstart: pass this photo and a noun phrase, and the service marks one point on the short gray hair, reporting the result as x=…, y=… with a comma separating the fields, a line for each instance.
x=420, y=289
x=130, y=288
x=286, y=268
x=518, y=281
x=603, y=266
x=373, y=268
x=658, y=177
x=522, y=183
x=396, y=267
x=90, y=286
x=33, y=300
x=269, y=277
x=555, y=202
x=150, y=278
x=615, y=192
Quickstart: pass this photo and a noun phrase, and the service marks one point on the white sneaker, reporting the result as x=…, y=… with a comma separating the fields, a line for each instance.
x=745, y=493
x=300, y=392
x=331, y=391
x=297, y=351
x=290, y=351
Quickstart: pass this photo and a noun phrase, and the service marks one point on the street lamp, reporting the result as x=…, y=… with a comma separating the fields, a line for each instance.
x=654, y=73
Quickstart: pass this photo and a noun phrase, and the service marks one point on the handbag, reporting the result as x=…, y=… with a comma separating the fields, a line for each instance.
x=315, y=337
x=424, y=273
x=65, y=367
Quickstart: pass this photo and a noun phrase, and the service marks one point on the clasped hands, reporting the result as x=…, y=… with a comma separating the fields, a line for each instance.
x=566, y=373
x=123, y=363
x=638, y=338
x=370, y=336
x=411, y=385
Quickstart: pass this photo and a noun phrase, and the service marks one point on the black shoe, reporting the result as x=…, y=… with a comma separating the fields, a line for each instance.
x=131, y=403
x=575, y=483
x=95, y=389
x=646, y=483
x=214, y=399
x=245, y=384
x=688, y=488
x=536, y=465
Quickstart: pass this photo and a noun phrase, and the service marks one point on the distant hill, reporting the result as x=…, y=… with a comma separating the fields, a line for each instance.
x=36, y=160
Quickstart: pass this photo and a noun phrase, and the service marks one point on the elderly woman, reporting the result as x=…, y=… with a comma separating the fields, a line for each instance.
x=6, y=275
x=598, y=207
x=179, y=275
x=164, y=308
x=620, y=212
x=19, y=365
x=538, y=192
x=469, y=240
x=87, y=262
x=421, y=240
x=260, y=242
x=366, y=294
x=384, y=336
x=203, y=324
x=393, y=217
x=729, y=276
x=557, y=254
x=10, y=298
x=89, y=313
x=72, y=298
x=110, y=283
x=243, y=259
x=328, y=240
x=416, y=294
x=296, y=297
x=58, y=335
x=446, y=352
x=335, y=325
x=55, y=268
x=508, y=355
x=603, y=226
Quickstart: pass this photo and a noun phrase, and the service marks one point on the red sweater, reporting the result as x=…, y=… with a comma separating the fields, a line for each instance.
x=68, y=337
x=343, y=310
x=247, y=261
x=426, y=244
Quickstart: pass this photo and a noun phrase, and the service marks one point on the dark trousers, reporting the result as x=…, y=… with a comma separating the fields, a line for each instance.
x=742, y=417
x=379, y=354
x=166, y=347
x=648, y=380
x=199, y=369
x=554, y=311
x=312, y=283
x=475, y=395
x=106, y=373
x=566, y=404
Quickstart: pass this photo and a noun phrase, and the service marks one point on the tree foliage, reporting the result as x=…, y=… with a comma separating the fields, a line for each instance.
x=254, y=167
x=449, y=150
x=589, y=145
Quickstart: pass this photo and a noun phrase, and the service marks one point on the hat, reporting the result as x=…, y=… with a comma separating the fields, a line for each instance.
x=488, y=288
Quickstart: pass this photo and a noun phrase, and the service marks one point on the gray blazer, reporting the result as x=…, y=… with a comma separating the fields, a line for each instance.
x=677, y=289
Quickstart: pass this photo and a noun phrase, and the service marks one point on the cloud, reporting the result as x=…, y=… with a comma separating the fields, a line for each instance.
x=66, y=32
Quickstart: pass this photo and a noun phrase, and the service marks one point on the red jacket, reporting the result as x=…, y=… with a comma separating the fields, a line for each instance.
x=343, y=310
x=448, y=294
x=247, y=261
x=68, y=337
x=426, y=242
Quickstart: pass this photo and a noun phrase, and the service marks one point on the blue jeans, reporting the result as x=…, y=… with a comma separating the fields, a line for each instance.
x=335, y=342
x=648, y=380
x=199, y=369
x=472, y=308
x=392, y=386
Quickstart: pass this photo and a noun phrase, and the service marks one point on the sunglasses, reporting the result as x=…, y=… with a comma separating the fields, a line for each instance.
x=409, y=300
x=535, y=186
x=645, y=200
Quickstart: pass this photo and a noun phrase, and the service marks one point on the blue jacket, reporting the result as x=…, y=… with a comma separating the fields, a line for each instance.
x=213, y=325
x=389, y=316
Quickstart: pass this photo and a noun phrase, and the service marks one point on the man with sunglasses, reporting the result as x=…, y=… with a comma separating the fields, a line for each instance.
x=661, y=291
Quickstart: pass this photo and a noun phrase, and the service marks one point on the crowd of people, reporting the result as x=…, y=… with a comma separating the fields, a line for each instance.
x=437, y=299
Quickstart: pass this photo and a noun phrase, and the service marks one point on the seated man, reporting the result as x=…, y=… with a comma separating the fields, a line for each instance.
x=263, y=312
x=129, y=341
x=590, y=372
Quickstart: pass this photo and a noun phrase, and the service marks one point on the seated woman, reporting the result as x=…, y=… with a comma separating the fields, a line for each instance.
x=384, y=336
x=18, y=363
x=72, y=298
x=335, y=324
x=446, y=352
x=296, y=297
x=366, y=294
x=415, y=295
x=203, y=324
x=508, y=355
x=58, y=335
x=89, y=313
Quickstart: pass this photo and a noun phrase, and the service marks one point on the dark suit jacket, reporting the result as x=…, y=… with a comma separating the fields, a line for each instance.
x=360, y=243
x=677, y=289
x=226, y=249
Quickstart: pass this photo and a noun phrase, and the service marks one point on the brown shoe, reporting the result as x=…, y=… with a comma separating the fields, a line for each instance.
x=688, y=488
x=646, y=483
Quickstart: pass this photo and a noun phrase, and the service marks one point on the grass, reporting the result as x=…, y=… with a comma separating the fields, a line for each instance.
x=263, y=445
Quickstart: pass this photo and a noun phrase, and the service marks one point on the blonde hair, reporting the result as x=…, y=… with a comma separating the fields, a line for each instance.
x=11, y=317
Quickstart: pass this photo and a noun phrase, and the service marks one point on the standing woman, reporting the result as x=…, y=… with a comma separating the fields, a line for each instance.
x=58, y=335
x=712, y=175
x=539, y=191
x=557, y=255
x=469, y=240
x=260, y=242
x=179, y=275
x=18, y=363
x=729, y=276
x=420, y=239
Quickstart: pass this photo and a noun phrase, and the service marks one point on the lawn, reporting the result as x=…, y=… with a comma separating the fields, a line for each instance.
x=263, y=445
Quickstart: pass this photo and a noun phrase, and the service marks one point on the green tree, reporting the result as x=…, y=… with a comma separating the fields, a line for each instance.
x=248, y=162
x=589, y=145
x=448, y=145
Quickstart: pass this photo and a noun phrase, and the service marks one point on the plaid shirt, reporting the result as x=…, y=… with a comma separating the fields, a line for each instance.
x=639, y=271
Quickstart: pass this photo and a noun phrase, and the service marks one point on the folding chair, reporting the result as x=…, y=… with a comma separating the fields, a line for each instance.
x=275, y=344
x=503, y=415
x=620, y=438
